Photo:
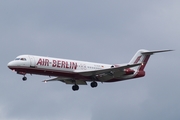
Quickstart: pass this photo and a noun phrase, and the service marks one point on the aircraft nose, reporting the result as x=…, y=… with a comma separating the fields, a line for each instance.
x=10, y=64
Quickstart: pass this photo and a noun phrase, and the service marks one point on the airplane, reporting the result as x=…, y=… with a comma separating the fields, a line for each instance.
x=80, y=72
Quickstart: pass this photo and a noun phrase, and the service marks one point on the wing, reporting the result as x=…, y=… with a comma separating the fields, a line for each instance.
x=109, y=70
x=67, y=81
x=102, y=75
x=107, y=74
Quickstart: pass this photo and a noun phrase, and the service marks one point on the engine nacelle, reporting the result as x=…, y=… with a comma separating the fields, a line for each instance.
x=128, y=71
x=140, y=74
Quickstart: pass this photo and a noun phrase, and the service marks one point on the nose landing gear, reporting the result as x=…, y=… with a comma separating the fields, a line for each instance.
x=24, y=78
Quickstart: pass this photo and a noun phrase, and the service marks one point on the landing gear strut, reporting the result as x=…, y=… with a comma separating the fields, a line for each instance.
x=24, y=78
x=75, y=87
x=94, y=84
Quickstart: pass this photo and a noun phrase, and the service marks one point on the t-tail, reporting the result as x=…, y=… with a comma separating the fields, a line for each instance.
x=142, y=56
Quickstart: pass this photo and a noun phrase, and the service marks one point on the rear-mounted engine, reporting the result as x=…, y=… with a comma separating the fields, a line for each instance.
x=129, y=71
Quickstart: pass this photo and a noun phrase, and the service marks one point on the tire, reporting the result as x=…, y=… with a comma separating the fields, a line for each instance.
x=75, y=87
x=24, y=78
x=94, y=84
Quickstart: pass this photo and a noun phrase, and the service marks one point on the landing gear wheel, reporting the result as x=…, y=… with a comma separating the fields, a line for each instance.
x=94, y=84
x=75, y=87
x=24, y=78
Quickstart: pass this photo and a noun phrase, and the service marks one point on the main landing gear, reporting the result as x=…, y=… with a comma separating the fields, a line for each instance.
x=94, y=84
x=75, y=87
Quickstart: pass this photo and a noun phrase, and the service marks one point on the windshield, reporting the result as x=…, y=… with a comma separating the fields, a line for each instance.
x=24, y=59
x=17, y=59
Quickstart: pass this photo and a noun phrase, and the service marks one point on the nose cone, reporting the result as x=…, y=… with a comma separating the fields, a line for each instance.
x=11, y=64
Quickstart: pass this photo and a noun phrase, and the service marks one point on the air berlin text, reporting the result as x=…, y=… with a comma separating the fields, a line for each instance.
x=57, y=63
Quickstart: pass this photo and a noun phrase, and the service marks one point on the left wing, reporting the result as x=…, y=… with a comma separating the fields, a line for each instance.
x=107, y=74
x=119, y=70
x=67, y=81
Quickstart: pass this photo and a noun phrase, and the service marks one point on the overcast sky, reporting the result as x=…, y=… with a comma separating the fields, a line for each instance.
x=98, y=31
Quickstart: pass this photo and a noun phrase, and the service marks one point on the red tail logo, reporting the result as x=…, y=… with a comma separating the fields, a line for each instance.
x=137, y=60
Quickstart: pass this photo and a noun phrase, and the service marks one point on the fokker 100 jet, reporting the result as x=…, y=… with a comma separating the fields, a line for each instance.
x=80, y=72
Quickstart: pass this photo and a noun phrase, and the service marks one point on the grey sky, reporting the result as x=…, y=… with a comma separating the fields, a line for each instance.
x=98, y=31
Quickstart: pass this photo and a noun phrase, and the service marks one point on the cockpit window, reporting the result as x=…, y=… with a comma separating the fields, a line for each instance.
x=24, y=59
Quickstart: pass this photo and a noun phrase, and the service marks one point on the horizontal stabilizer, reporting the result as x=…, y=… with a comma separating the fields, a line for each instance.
x=156, y=51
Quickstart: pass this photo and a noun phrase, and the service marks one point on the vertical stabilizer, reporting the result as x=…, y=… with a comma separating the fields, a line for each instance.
x=142, y=56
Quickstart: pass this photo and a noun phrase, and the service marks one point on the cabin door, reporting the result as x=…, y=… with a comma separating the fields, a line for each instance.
x=32, y=61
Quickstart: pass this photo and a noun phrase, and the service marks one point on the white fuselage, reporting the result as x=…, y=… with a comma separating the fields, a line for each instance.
x=49, y=66
x=57, y=64
x=32, y=64
x=78, y=72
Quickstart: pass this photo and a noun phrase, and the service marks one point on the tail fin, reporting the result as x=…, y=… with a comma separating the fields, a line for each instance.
x=142, y=56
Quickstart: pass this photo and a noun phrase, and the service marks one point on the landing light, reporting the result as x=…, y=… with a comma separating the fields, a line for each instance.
x=45, y=81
